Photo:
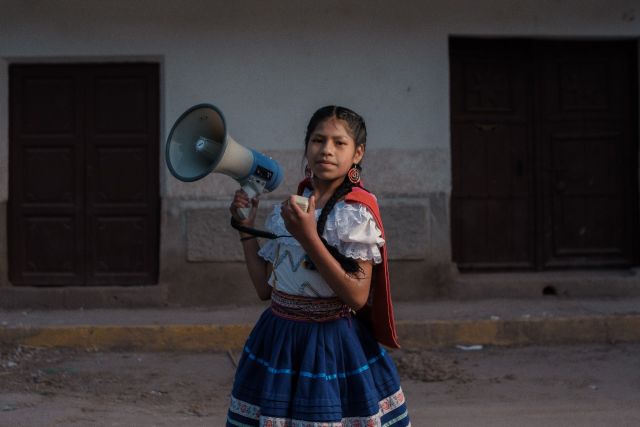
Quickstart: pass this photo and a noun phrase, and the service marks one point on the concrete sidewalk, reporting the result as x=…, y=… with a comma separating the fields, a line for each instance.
x=433, y=324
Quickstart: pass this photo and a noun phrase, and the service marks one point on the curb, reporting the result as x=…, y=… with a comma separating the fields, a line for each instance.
x=573, y=330
x=430, y=334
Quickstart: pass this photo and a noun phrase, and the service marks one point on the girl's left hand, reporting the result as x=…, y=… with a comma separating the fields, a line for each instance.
x=301, y=224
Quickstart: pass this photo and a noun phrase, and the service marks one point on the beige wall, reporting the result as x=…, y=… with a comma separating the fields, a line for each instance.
x=268, y=65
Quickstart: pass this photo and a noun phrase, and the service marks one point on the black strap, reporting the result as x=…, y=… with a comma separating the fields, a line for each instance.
x=254, y=231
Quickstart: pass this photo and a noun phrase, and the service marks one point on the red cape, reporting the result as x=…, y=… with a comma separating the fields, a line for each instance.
x=378, y=312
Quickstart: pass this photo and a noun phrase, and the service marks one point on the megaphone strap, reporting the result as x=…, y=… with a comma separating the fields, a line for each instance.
x=254, y=231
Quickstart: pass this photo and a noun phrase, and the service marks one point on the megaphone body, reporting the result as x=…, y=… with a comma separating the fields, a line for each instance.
x=199, y=144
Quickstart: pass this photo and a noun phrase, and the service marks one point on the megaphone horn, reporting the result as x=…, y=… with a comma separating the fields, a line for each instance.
x=198, y=145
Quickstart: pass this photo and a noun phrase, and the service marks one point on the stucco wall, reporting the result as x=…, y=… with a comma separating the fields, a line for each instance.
x=268, y=65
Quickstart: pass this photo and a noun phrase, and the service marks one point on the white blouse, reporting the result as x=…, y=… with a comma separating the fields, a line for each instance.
x=350, y=227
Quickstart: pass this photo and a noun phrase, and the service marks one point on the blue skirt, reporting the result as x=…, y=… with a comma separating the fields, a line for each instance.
x=298, y=373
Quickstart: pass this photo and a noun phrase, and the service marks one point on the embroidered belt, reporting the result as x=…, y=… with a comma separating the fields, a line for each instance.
x=297, y=307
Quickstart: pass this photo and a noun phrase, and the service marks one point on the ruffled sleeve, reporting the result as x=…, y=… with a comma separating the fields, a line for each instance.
x=352, y=229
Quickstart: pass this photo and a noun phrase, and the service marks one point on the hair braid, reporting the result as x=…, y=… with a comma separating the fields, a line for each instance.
x=349, y=265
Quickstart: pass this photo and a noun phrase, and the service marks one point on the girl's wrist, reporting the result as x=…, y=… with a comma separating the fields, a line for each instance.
x=310, y=242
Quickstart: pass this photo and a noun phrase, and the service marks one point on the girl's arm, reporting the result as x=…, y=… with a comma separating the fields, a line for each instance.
x=352, y=289
x=259, y=269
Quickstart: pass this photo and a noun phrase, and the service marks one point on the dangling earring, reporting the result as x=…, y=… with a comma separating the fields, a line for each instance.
x=354, y=174
x=308, y=172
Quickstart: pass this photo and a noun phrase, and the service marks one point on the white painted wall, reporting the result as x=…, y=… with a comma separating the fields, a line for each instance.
x=270, y=64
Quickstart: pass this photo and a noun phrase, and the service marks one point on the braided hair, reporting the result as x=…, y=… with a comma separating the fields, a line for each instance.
x=356, y=128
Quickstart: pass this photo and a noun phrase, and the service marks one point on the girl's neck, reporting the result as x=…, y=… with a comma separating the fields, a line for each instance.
x=323, y=190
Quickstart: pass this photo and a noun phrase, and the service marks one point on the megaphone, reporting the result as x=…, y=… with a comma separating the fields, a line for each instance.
x=199, y=144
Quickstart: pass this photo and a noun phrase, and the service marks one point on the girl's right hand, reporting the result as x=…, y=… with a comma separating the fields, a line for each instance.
x=241, y=200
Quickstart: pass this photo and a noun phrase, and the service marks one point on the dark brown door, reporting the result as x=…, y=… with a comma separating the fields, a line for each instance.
x=84, y=191
x=492, y=203
x=544, y=154
x=586, y=133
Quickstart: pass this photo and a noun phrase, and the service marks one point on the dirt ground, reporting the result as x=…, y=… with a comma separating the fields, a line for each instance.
x=597, y=385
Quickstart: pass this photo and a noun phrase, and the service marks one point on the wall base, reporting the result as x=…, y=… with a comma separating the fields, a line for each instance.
x=13, y=298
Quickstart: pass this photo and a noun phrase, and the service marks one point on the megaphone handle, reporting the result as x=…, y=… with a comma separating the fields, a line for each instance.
x=244, y=212
x=253, y=189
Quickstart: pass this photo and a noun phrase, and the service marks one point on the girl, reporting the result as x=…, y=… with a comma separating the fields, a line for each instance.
x=313, y=358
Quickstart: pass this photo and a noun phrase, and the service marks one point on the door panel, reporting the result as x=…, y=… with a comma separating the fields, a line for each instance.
x=122, y=184
x=41, y=189
x=492, y=199
x=586, y=117
x=46, y=196
x=119, y=248
x=48, y=105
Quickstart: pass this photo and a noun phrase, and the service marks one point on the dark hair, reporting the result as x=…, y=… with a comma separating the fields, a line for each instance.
x=356, y=128
x=355, y=123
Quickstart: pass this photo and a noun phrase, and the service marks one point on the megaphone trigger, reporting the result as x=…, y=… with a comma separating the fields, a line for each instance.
x=253, y=187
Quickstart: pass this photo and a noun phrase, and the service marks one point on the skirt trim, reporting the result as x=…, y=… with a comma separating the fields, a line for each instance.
x=319, y=375
x=392, y=411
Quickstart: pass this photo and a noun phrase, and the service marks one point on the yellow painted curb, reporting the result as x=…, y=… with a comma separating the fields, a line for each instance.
x=412, y=334
x=594, y=329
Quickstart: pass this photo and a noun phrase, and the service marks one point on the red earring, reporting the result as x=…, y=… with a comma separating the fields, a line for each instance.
x=354, y=174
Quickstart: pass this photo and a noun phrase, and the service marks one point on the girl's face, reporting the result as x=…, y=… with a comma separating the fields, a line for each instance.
x=331, y=151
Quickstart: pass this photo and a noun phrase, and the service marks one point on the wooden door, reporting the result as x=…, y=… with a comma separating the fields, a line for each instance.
x=84, y=186
x=492, y=203
x=586, y=136
x=544, y=154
